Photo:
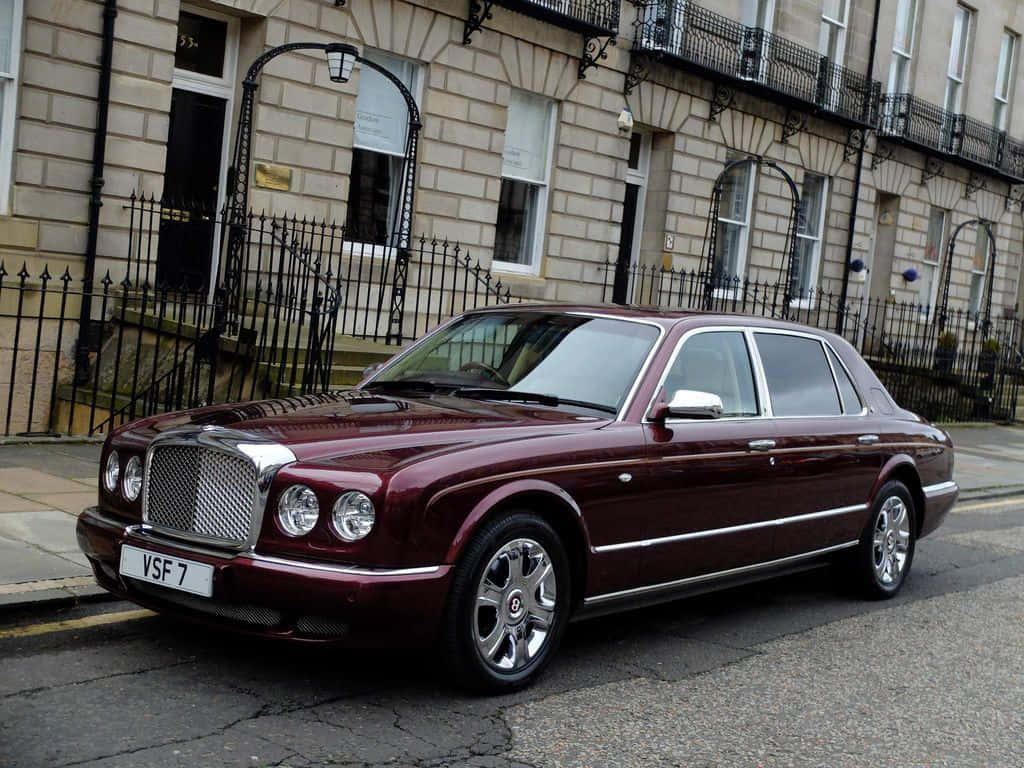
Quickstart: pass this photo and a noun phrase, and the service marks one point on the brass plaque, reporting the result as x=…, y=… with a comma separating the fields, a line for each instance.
x=272, y=176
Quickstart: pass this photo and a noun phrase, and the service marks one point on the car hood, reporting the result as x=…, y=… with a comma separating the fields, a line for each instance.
x=375, y=431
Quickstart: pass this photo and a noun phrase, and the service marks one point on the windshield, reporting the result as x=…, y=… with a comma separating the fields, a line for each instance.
x=585, y=361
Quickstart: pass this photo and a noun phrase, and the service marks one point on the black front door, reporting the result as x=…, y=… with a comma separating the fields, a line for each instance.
x=194, y=147
x=620, y=292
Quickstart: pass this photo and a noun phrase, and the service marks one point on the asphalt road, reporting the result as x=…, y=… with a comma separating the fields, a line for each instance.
x=789, y=672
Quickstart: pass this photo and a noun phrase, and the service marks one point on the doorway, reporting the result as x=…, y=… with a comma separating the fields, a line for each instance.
x=632, y=215
x=198, y=134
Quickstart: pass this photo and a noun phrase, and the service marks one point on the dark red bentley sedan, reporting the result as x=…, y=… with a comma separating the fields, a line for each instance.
x=516, y=468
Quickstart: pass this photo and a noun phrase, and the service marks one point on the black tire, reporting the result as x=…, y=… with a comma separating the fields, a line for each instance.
x=463, y=619
x=880, y=543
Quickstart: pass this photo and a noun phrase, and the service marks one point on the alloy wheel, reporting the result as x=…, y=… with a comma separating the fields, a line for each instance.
x=514, y=612
x=891, y=541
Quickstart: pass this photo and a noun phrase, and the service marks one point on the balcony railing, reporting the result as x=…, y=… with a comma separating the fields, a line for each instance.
x=963, y=139
x=693, y=37
x=597, y=18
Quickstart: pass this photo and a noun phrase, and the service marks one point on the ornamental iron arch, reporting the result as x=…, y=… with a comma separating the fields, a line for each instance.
x=713, y=277
x=237, y=201
x=990, y=272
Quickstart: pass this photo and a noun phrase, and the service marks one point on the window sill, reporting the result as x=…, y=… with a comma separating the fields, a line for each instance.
x=521, y=270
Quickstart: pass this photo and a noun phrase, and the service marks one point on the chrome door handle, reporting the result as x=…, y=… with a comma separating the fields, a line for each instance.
x=761, y=445
x=868, y=439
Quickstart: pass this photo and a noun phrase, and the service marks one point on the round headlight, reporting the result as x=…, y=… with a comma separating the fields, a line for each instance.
x=131, y=481
x=111, y=472
x=297, y=510
x=353, y=516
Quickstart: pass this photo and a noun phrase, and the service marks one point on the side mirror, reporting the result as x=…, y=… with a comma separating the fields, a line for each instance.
x=691, y=404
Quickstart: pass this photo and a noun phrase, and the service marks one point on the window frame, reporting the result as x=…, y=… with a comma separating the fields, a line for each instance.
x=1003, y=110
x=819, y=240
x=906, y=56
x=841, y=26
x=927, y=310
x=540, y=223
x=760, y=379
x=955, y=84
x=746, y=227
x=9, y=114
x=358, y=248
x=973, y=312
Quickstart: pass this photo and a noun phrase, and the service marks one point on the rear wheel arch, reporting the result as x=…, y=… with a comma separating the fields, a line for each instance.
x=905, y=472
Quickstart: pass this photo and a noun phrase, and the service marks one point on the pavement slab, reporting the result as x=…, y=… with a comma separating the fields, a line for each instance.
x=9, y=502
x=21, y=562
x=72, y=503
x=49, y=530
x=23, y=480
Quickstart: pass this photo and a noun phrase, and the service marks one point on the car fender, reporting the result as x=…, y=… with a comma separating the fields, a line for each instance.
x=524, y=487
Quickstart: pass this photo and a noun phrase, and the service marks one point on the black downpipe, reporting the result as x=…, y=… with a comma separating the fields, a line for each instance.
x=841, y=313
x=99, y=153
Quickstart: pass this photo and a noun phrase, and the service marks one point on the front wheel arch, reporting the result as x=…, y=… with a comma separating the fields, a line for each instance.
x=549, y=502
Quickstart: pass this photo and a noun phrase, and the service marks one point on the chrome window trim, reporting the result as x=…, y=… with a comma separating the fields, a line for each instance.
x=265, y=455
x=672, y=360
x=760, y=378
x=823, y=341
x=940, y=489
x=668, y=585
x=707, y=533
x=640, y=376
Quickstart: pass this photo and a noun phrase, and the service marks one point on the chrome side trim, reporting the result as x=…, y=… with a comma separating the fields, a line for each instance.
x=732, y=529
x=940, y=489
x=143, y=534
x=608, y=596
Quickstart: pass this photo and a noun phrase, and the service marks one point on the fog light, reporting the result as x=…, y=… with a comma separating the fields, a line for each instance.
x=298, y=510
x=131, y=482
x=111, y=472
x=353, y=516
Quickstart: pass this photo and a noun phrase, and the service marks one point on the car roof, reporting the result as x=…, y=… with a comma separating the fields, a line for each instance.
x=658, y=315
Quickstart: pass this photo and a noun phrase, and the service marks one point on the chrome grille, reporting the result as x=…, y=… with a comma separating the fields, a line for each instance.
x=202, y=492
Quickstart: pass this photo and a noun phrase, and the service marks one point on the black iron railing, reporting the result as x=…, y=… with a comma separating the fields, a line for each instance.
x=961, y=138
x=945, y=364
x=595, y=17
x=154, y=346
x=690, y=36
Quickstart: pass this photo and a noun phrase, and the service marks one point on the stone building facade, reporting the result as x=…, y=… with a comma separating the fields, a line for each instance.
x=521, y=160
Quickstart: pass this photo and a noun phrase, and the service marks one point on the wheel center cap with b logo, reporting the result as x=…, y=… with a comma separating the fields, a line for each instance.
x=515, y=605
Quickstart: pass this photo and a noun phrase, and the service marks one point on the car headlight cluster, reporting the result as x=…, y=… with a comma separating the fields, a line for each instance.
x=352, y=517
x=129, y=481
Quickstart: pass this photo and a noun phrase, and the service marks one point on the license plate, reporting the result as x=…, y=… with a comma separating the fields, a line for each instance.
x=167, y=571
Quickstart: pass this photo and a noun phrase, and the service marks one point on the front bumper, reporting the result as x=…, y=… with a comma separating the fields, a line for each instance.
x=277, y=597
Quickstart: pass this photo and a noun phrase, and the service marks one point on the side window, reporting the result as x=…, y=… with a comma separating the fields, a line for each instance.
x=851, y=401
x=799, y=380
x=717, y=362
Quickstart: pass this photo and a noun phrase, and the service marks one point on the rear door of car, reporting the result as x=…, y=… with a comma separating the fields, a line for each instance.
x=825, y=454
x=709, y=496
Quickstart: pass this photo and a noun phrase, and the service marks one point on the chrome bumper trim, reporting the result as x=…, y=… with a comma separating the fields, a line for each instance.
x=142, y=533
x=940, y=489
x=667, y=585
x=732, y=529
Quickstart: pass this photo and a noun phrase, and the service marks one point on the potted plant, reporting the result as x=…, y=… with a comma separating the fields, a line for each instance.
x=945, y=352
x=988, y=356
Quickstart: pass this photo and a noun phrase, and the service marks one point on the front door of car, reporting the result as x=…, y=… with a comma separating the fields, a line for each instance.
x=710, y=491
x=826, y=462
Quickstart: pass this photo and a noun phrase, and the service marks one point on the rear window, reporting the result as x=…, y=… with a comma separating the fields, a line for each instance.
x=799, y=379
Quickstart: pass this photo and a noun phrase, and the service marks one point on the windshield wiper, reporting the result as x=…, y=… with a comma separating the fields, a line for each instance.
x=511, y=395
